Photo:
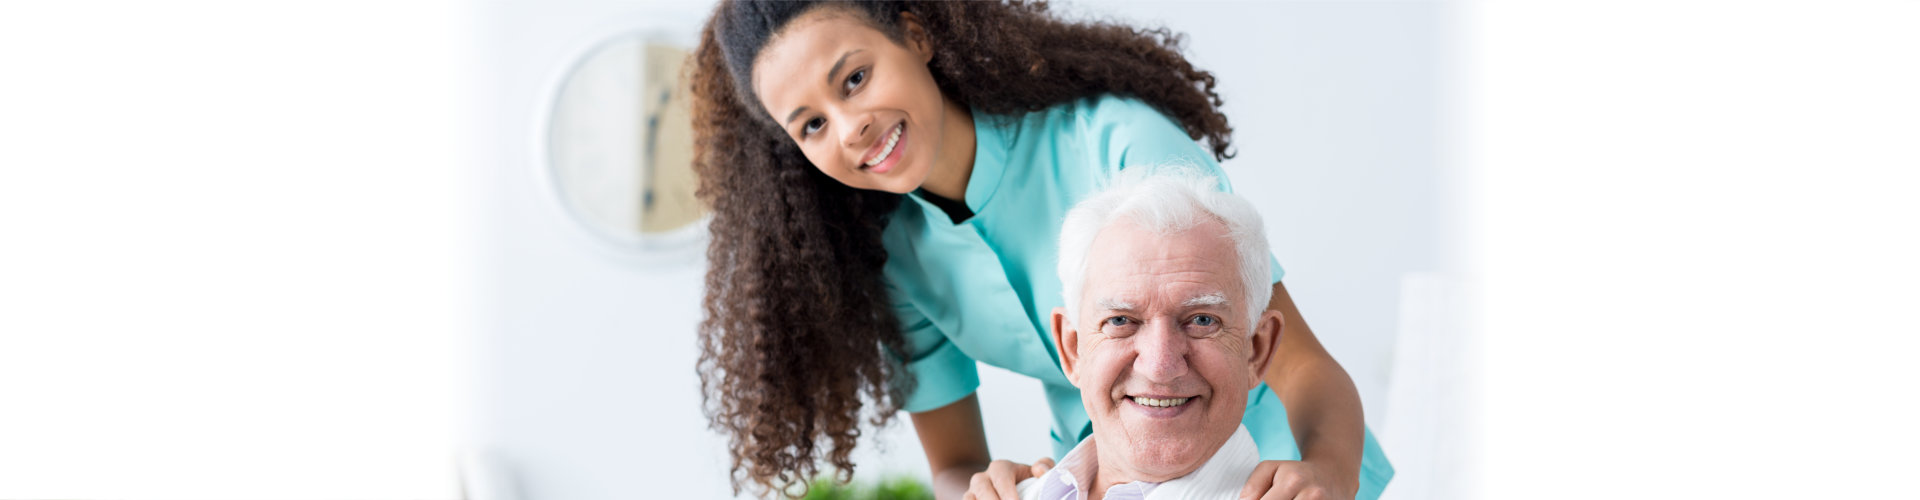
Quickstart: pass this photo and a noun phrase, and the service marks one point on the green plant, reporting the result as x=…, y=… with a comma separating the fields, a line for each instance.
x=893, y=488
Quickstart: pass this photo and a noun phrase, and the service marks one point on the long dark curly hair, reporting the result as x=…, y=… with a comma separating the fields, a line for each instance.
x=799, y=341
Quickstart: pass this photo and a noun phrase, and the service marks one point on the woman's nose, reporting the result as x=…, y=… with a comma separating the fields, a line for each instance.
x=854, y=136
x=1161, y=353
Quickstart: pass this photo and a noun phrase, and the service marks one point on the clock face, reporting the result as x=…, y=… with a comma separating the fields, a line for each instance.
x=620, y=144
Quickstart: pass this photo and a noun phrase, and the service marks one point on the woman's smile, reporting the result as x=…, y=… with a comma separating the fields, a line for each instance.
x=887, y=152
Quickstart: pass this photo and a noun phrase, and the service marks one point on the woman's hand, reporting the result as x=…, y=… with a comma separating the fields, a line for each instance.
x=1000, y=480
x=956, y=445
x=1290, y=480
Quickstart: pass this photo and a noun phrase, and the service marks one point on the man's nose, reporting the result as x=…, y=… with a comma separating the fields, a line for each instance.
x=1161, y=352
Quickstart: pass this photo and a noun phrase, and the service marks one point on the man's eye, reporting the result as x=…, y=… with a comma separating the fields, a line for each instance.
x=1118, y=321
x=812, y=126
x=855, y=79
x=1205, y=320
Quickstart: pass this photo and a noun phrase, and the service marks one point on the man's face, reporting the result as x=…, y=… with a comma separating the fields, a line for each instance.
x=1160, y=348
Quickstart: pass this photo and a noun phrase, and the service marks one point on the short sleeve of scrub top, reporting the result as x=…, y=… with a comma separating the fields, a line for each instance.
x=983, y=289
x=942, y=373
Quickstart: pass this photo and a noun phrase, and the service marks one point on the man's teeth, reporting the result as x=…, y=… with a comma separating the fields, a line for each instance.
x=1160, y=403
x=891, y=140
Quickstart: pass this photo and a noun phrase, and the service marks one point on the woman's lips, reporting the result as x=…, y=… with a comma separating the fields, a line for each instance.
x=892, y=156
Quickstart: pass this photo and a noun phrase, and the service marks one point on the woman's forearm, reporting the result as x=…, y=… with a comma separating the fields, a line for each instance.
x=1324, y=412
x=1323, y=407
x=955, y=440
x=951, y=482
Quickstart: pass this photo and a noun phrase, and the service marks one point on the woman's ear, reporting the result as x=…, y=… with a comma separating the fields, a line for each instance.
x=914, y=33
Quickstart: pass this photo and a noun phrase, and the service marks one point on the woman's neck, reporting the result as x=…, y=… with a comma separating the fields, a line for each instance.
x=953, y=163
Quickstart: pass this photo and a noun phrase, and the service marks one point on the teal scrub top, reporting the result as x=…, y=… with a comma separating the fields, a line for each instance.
x=984, y=289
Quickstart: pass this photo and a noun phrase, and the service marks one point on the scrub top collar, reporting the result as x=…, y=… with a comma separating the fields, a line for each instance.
x=990, y=148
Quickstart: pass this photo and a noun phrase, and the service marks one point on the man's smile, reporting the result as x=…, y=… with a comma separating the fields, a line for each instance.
x=1160, y=406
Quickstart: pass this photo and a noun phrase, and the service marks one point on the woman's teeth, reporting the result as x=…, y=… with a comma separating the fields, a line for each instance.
x=891, y=140
x=1160, y=403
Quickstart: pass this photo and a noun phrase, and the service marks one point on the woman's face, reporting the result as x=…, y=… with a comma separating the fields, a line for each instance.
x=863, y=109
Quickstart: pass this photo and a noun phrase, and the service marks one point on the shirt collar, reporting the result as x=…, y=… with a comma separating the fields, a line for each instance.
x=1072, y=478
x=990, y=151
x=990, y=145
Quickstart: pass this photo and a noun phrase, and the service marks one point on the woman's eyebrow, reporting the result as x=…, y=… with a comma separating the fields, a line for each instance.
x=832, y=74
x=835, y=72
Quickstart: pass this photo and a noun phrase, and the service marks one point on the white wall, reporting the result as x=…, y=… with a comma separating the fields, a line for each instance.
x=232, y=251
x=1696, y=239
x=587, y=387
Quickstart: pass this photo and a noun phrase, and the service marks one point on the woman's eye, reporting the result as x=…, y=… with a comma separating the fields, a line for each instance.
x=812, y=126
x=855, y=79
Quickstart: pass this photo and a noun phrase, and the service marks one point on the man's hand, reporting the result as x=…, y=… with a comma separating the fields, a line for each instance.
x=1000, y=480
x=1291, y=480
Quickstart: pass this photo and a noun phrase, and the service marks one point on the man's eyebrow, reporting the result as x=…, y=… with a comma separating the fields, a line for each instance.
x=1211, y=299
x=832, y=74
x=1114, y=304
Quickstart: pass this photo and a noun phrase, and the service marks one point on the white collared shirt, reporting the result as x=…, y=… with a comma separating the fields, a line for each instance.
x=1221, y=477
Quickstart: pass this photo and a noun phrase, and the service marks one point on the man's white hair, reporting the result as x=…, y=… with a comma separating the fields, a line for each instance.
x=1165, y=201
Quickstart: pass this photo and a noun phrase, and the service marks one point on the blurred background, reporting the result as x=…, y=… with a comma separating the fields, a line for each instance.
x=369, y=250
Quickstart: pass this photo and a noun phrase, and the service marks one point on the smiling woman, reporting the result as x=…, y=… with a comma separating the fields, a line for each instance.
x=877, y=120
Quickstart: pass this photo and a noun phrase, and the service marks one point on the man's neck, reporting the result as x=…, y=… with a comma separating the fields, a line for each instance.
x=1109, y=471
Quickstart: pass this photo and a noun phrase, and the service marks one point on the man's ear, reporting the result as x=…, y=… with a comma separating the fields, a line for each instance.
x=1067, y=340
x=914, y=34
x=1266, y=337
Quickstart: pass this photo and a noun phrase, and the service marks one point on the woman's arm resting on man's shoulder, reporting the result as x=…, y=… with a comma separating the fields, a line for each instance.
x=1323, y=407
x=956, y=443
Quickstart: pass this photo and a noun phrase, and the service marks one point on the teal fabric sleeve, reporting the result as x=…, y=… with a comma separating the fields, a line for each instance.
x=942, y=373
x=1375, y=470
x=1131, y=133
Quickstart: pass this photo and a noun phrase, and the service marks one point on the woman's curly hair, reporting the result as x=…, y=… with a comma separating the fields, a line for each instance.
x=799, y=338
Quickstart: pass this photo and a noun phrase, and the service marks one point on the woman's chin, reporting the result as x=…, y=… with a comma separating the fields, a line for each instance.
x=901, y=180
x=895, y=186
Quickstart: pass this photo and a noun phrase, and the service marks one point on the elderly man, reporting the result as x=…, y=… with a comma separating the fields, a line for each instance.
x=1164, y=332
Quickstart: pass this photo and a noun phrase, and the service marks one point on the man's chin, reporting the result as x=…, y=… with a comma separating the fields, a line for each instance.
x=1164, y=458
